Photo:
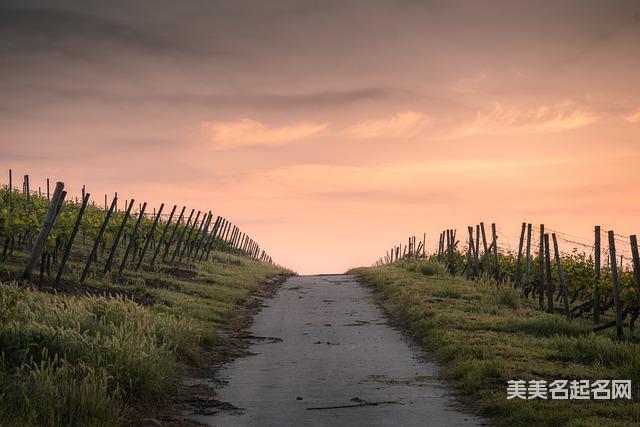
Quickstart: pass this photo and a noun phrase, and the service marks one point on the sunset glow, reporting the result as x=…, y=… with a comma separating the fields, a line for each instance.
x=329, y=133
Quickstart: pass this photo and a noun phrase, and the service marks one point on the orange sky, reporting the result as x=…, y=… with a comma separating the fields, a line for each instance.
x=330, y=130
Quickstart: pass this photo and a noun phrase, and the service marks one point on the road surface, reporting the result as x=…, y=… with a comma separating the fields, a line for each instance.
x=325, y=355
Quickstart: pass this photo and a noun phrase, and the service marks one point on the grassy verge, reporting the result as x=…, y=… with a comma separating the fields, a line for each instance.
x=84, y=358
x=486, y=335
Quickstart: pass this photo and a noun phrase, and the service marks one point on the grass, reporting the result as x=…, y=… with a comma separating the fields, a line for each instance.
x=84, y=359
x=486, y=335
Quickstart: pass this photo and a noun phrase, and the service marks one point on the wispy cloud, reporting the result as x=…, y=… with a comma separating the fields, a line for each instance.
x=225, y=135
x=404, y=124
x=558, y=117
x=633, y=117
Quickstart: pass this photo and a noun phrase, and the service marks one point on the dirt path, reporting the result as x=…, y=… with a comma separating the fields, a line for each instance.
x=324, y=354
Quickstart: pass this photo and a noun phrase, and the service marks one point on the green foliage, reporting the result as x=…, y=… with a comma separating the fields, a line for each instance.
x=485, y=334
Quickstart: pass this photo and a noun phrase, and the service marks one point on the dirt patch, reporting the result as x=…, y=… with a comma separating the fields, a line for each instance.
x=180, y=272
x=196, y=394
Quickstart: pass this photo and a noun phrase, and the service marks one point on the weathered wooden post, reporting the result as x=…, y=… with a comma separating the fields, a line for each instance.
x=181, y=236
x=636, y=265
x=173, y=234
x=188, y=239
x=527, y=273
x=615, y=286
x=485, y=256
x=132, y=239
x=547, y=261
x=495, y=251
x=563, y=287
x=67, y=249
x=516, y=278
x=94, y=251
x=541, y=269
x=116, y=241
x=149, y=236
x=47, y=223
x=212, y=238
x=596, y=286
x=162, y=236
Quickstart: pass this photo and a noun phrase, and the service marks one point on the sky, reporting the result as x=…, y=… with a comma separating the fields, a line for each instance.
x=331, y=130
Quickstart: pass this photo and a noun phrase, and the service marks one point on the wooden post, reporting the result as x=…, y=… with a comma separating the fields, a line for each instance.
x=67, y=249
x=516, y=278
x=478, y=246
x=162, y=236
x=527, y=273
x=181, y=236
x=187, y=241
x=173, y=233
x=495, y=251
x=112, y=252
x=149, y=236
x=10, y=181
x=94, y=251
x=212, y=238
x=547, y=261
x=563, y=287
x=47, y=223
x=596, y=285
x=636, y=265
x=485, y=249
x=615, y=285
x=424, y=245
x=48, y=194
x=474, y=254
x=541, y=269
x=203, y=237
x=132, y=239
x=203, y=233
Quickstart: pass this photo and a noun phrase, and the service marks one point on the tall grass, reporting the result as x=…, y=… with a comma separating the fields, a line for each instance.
x=79, y=360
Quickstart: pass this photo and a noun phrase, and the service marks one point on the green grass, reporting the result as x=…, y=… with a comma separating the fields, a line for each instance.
x=85, y=359
x=486, y=335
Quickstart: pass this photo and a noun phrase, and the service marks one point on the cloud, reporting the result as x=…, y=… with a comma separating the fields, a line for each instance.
x=470, y=85
x=403, y=124
x=28, y=30
x=633, y=117
x=512, y=120
x=247, y=132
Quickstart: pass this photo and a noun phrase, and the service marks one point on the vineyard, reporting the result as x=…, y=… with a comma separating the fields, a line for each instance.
x=75, y=241
x=575, y=284
x=103, y=308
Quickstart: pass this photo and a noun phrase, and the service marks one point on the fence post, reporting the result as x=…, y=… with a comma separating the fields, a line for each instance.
x=547, y=261
x=636, y=265
x=162, y=236
x=485, y=256
x=181, y=236
x=596, y=287
x=47, y=223
x=563, y=287
x=112, y=253
x=615, y=285
x=87, y=266
x=516, y=279
x=67, y=249
x=132, y=239
x=495, y=251
x=541, y=269
x=187, y=241
x=173, y=234
x=527, y=274
x=149, y=236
